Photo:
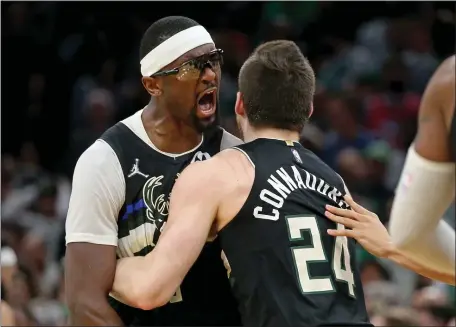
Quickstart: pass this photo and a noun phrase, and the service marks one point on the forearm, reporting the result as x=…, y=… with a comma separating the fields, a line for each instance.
x=424, y=193
x=434, y=249
x=142, y=283
x=403, y=260
x=93, y=313
x=128, y=279
x=149, y=282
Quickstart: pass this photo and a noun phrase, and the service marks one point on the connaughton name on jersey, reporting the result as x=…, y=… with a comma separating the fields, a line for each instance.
x=283, y=184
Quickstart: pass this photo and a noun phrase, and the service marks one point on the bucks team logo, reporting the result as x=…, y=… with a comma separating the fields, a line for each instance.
x=157, y=203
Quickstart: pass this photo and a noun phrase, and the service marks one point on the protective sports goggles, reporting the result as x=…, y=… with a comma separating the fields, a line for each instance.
x=191, y=70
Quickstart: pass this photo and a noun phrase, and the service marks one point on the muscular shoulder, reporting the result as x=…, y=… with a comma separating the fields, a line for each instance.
x=205, y=174
x=440, y=95
x=448, y=84
x=436, y=111
x=222, y=172
x=234, y=159
x=224, y=180
x=445, y=72
x=237, y=173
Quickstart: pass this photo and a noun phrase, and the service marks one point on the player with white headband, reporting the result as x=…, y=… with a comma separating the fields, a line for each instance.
x=122, y=183
x=419, y=240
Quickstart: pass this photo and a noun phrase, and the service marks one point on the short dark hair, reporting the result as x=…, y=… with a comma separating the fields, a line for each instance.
x=277, y=85
x=161, y=30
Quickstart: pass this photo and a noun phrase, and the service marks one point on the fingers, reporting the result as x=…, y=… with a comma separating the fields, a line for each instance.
x=355, y=206
x=341, y=232
x=347, y=222
x=364, y=214
x=343, y=212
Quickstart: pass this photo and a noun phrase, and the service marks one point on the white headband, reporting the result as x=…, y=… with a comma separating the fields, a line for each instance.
x=173, y=48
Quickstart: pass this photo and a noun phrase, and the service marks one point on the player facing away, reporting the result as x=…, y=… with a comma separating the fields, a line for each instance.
x=419, y=240
x=266, y=201
x=427, y=184
x=121, y=186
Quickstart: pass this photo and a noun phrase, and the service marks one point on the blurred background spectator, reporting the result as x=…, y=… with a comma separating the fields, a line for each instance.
x=70, y=70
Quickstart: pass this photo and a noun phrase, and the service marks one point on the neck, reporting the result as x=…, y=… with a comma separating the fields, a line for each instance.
x=251, y=134
x=168, y=133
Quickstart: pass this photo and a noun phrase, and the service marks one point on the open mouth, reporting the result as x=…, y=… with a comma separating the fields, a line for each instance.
x=206, y=102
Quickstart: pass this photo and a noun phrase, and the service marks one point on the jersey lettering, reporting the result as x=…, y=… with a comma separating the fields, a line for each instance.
x=257, y=214
x=271, y=198
x=277, y=198
x=274, y=200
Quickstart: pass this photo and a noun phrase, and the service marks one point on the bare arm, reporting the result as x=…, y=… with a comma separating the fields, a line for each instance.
x=91, y=236
x=398, y=257
x=434, y=118
x=427, y=187
x=89, y=274
x=151, y=281
x=7, y=315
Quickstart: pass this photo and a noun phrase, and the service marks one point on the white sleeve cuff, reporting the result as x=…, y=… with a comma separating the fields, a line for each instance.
x=91, y=238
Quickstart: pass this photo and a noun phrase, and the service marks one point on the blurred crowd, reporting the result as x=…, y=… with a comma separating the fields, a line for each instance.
x=71, y=70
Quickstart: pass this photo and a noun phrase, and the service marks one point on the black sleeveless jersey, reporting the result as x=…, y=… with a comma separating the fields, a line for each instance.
x=288, y=272
x=205, y=297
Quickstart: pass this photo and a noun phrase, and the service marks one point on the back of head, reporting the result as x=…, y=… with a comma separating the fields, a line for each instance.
x=277, y=85
x=161, y=30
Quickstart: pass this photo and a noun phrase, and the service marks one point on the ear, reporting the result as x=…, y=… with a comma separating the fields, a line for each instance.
x=239, y=106
x=152, y=86
x=311, y=110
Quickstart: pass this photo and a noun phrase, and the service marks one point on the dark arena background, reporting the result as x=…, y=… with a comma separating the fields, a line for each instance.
x=71, y=69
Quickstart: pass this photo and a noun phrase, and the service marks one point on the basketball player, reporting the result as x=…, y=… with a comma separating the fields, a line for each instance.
x=424, y=243
x=121, y=186
x=266, y=200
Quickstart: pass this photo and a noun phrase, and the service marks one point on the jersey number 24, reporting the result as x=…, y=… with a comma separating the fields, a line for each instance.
x=304, y=255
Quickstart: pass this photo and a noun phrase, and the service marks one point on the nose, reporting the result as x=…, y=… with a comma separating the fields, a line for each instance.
x=208, y=75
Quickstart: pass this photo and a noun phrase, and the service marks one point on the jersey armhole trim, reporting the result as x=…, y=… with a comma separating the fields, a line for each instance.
x=247, y=156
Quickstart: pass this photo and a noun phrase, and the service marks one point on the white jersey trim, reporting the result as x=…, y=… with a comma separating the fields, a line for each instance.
x=135, y=124
x=246, y=155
